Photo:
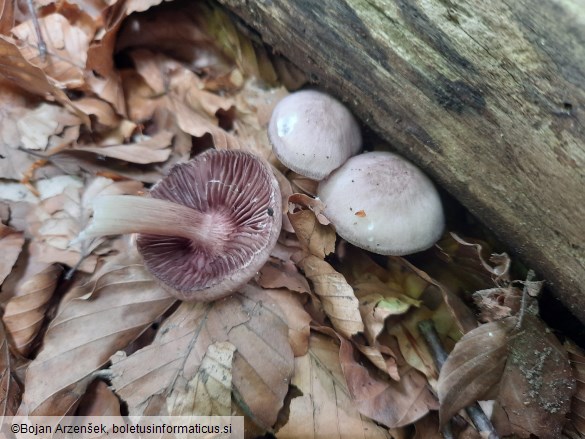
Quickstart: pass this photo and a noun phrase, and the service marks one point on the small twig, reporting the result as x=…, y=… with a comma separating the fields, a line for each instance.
x=40, y=41
x=474, y=411
x=529, y=276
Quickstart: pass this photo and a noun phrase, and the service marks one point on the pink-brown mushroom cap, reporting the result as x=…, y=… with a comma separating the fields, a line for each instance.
x=381, y=202
x=313, y=133
x=238, y=191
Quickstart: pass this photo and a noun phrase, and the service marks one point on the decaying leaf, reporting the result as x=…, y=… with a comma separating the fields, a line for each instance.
x=10, y=391
x=474, y=367
x=538, y=383
x=261, y=368
x=315, y=236
x=99, y=400
x=67, y=47
x=24, y=314
x=97, y=320
x=149, y=150
x=389, y=402
x=11, y=242
x=524, y=368
x=324, y=409
x=337, y=296
x=209, y=392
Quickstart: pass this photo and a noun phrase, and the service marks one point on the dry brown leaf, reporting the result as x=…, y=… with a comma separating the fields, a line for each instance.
x=99, y=400
x=262, y=366
x=11, y=242
x=61, y=218
x=29, y=77
x=38, y=125
x=97, y=320
x=209, y=392
x=102, y=110
x=282, y=274
x=148, y=150
x=337, y=296
x=538, y=383
x=325, y=408
x=7, y=16
x=289, y=307
x=10, y=391
x=474, y=367
x=67, y=47
x=524, y=368
x=24, y=314
x=392, y=403
x=316, y=237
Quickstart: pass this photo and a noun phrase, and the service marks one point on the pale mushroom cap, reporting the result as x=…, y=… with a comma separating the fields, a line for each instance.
x=238, y=192
x=380, y=202
x=313, y=133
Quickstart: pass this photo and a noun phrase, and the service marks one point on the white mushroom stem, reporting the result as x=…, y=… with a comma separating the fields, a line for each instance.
x=121, y=214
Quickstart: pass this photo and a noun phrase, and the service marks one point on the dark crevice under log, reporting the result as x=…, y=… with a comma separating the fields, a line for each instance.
x=487, y=97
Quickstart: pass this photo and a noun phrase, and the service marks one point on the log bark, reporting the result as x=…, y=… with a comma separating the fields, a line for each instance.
x=487, y=96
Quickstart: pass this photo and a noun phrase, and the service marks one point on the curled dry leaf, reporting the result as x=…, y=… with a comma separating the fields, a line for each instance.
x=337, y=296
x=209, y=392
x=61, y=218
x=324, y=409
x=524, y=368
x=474, y=367
x=389, y=402
x=11, y=242
x=261, y=369
x=9, y=389
x=290, y=308
x=97, y=320
x=67, y=47
x=29, y=77
x=24, y=314
x=148, y=150
x=277, y=273
x=99, y=400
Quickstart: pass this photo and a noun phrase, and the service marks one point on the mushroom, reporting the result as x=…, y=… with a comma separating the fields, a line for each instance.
x=312, y=133
x=381, y=202
x=206, y=228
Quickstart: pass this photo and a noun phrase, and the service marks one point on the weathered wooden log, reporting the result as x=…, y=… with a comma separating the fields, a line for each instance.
x=487, y=97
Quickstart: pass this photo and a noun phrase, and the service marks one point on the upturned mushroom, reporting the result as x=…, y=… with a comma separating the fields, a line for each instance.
x=206, y=228
x=381, y=202
x=312, y=133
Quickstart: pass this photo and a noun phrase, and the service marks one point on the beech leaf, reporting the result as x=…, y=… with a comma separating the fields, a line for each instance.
x=337, y=296
x=324, y=409
x=209, y=392
x=524, y=368
x=10, y=392
x=261, y=368
x=11, y=242
x=389, y=402
x=99, y=319
x=474, y=367
x=25, y=312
